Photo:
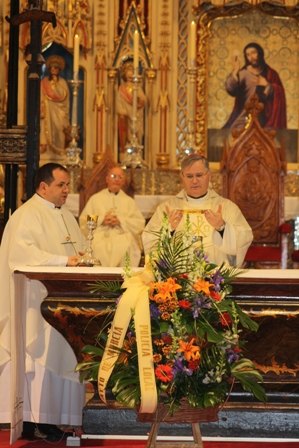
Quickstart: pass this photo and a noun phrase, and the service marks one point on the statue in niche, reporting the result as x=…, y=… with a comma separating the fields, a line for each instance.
x=55, y=111
x=124, y=108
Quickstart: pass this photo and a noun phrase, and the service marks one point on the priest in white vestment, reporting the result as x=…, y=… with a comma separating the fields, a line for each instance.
x=216, y=222
x=43, y=388
x=119, y=224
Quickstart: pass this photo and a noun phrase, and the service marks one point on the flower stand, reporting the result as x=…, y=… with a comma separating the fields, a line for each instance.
x=186, y=414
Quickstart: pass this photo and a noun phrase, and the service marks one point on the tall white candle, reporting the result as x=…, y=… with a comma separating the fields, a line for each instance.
x=136, y=49
x=76, y=56
x=192, y=44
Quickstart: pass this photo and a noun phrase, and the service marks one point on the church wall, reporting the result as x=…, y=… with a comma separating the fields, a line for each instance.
x=174, y=42
x=162, y=40
x=167, y=40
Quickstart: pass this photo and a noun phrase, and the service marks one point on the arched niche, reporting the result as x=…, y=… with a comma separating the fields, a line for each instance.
x=124, y=56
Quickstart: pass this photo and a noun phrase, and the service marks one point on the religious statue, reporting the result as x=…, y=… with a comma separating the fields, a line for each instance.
x=55, y=111
x=124, y=108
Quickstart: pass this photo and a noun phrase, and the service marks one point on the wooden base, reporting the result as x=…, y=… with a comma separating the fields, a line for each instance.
x=153, y=443
x=185, y=414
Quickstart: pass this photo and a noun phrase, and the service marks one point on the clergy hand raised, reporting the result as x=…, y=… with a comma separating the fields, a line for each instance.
x=215, y=218
x=174, y=217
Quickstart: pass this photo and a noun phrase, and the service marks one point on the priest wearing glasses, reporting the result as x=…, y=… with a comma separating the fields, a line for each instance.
x=119, y=222
x=216, y=222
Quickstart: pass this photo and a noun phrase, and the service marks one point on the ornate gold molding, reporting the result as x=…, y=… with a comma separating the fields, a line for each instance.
x=13, y=144
x=72, y=18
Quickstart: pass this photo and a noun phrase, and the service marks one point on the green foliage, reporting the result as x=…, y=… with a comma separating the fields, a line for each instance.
x=196, y=331
x=109, y=288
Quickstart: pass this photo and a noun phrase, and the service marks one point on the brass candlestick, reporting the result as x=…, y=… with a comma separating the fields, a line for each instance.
x=190, y=145
x=73, y=152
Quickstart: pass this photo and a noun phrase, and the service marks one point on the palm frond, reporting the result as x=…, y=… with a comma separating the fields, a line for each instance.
x=173, y=256
x=106, y=288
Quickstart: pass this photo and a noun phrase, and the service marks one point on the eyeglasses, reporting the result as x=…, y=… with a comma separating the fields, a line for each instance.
x=196, y=176
x=116, y=176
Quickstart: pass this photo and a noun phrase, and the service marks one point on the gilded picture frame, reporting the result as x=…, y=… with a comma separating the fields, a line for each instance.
x=223, y=33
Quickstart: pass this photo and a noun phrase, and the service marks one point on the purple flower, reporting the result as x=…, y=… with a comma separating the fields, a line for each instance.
x=199, y=303
x=198, y=253
x=154, y=311
x=161, y=264
x=187, y=371
x=232, y=356
x=217, y=279
x=178, y=366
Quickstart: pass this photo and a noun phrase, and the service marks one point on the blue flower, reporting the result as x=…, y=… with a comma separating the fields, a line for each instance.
x=232, y=356
x=154, y=311
x=199, y=303
x=217, y=279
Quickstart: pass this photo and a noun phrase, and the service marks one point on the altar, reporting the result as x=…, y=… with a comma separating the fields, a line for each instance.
x=269, y=296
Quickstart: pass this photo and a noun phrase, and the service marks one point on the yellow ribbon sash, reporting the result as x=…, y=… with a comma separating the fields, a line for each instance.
x=134, y=302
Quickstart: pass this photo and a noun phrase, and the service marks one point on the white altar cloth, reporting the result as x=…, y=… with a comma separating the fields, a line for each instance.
x=248, y=273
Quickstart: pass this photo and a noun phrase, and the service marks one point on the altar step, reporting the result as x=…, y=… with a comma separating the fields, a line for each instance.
x=282, y=424
x=123, y=443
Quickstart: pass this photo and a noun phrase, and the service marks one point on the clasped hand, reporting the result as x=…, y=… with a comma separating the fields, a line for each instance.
x=110, y=220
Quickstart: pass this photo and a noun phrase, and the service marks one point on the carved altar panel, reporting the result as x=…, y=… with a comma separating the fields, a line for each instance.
x=253, y=176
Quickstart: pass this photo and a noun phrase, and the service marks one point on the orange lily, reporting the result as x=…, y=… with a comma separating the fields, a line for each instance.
x=191, y=352
x=165, y=289
x=203, y=285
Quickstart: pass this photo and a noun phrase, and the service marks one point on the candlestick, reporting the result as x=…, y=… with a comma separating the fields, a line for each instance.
x=76, y=56
x=136, y=49
x=133, y=157
x=190, y=145
x=192, y=44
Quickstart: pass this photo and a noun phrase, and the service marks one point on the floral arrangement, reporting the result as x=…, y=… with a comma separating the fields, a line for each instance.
x=196, y=331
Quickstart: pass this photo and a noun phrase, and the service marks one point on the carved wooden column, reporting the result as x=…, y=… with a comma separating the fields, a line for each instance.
x=11, y=168
x=35, y=15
